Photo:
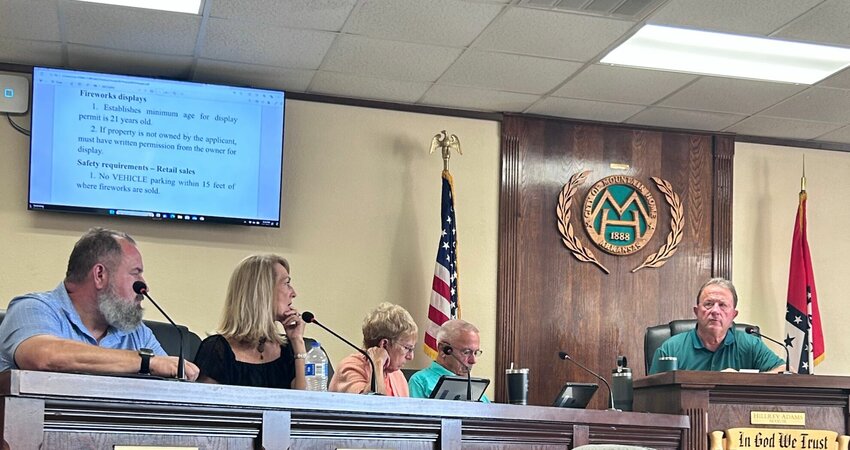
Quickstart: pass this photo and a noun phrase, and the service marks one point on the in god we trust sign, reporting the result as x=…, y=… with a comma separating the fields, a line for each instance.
x=777, y=438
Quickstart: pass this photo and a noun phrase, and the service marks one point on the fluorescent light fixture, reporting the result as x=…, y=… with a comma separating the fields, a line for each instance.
x=182, y=6
x=728, y=55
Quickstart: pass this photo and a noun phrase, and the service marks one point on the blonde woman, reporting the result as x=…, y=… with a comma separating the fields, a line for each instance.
x=249, y=350
x=389, y=336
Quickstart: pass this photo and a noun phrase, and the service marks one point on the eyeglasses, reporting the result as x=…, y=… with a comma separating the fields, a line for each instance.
x=408, y=349
x=708, y=305
x=467, y=352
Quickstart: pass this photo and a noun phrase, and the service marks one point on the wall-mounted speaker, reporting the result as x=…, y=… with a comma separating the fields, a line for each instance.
x=14, y=94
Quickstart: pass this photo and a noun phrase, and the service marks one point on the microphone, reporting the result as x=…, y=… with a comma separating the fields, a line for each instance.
x=448, y=350
x=566, y=356
x=752, y=330
x=140, y=288
x=308, y=317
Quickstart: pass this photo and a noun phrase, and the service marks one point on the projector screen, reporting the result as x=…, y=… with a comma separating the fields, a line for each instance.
x=158, y=149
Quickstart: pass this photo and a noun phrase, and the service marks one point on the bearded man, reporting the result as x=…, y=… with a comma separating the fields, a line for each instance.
x=92, y=321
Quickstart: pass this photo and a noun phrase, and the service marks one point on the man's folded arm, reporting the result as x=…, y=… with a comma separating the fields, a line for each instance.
x=50, y=353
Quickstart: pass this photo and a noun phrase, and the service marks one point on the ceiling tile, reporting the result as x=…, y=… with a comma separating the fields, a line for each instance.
x=735, y=16
x=28, y=19
x=585, y=109
x=231, y=40
x=551, y=34
x=826, y=23
x=515, y=73
x=364, y=87
x=328, y=15
x=839, y=80
x=388, y=59
x=128, y=63
x=440, y=22
x=464, y=97
x=731, y=95
x=133, y=29
x=840, y=135
x=488, y=55
x=252, y=75
x=680, y=118
x=622, y=84
x=816, y=104
x=781, y=128
x=35, y=53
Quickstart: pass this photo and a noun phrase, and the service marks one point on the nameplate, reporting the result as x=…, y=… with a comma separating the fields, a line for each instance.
x=775, y=438
x=777, y=418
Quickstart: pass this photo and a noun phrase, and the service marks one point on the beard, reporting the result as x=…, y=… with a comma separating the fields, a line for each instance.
x=122, y=314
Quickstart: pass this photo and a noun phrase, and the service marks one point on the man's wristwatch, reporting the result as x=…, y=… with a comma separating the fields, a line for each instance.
x=146, y=354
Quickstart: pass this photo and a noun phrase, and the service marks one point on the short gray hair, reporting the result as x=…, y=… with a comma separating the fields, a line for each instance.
x=451, y=329
x=722, y=282
x=387, y=321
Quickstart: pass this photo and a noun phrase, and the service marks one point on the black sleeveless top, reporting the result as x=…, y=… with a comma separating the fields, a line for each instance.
x=216, y=360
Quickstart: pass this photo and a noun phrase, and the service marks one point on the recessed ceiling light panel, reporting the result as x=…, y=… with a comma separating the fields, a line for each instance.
x=183, y=6
x=728, y=55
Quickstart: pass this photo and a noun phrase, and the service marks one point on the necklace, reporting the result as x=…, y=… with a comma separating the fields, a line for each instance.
x=261, y=346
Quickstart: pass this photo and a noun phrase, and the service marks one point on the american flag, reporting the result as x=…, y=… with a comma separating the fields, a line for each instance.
x=444, y=289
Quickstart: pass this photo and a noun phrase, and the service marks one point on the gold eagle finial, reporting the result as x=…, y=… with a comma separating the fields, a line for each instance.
x=445, y=142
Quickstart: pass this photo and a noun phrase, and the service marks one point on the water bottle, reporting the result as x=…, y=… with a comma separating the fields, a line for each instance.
x=316, y=369
x=621, y=385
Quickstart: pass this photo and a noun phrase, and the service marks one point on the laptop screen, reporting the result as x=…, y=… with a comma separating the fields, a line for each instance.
x=451, y=387
x=575, y=395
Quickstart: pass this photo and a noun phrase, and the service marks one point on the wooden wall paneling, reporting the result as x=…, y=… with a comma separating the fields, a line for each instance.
x=724, y=153
x=548, y=299
x=507, y=289
x=687, y=165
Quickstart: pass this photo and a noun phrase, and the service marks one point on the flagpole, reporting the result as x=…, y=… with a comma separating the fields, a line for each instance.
x=803, y=330
x=444, y=303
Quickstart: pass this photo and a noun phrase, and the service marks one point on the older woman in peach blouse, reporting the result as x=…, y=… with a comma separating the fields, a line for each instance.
x=389, y=336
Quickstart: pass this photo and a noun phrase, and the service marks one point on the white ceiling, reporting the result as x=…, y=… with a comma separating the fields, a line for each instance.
x=523, y=56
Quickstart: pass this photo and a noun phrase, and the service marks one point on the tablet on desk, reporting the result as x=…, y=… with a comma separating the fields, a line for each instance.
x=451, y=387
x=575, y=395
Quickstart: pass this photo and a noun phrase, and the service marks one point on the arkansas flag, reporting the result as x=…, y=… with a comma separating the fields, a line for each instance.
x=804, y=336
x=444, y=296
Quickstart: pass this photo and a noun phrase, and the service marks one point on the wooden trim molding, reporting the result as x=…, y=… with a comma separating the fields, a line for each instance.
x=724, y=155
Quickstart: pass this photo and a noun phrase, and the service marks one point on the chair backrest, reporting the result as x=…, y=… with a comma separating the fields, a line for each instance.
x=169, y=338
x=656, y=335
x=408, y=372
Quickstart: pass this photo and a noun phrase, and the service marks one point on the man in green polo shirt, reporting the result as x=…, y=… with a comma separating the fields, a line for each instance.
x=714, y=344
x=462, y=337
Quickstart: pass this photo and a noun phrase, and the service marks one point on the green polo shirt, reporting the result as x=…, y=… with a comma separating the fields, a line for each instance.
x=739, y=350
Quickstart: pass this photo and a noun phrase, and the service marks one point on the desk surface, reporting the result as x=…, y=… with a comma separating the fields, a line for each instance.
x=736, y=379
x=62, y=406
